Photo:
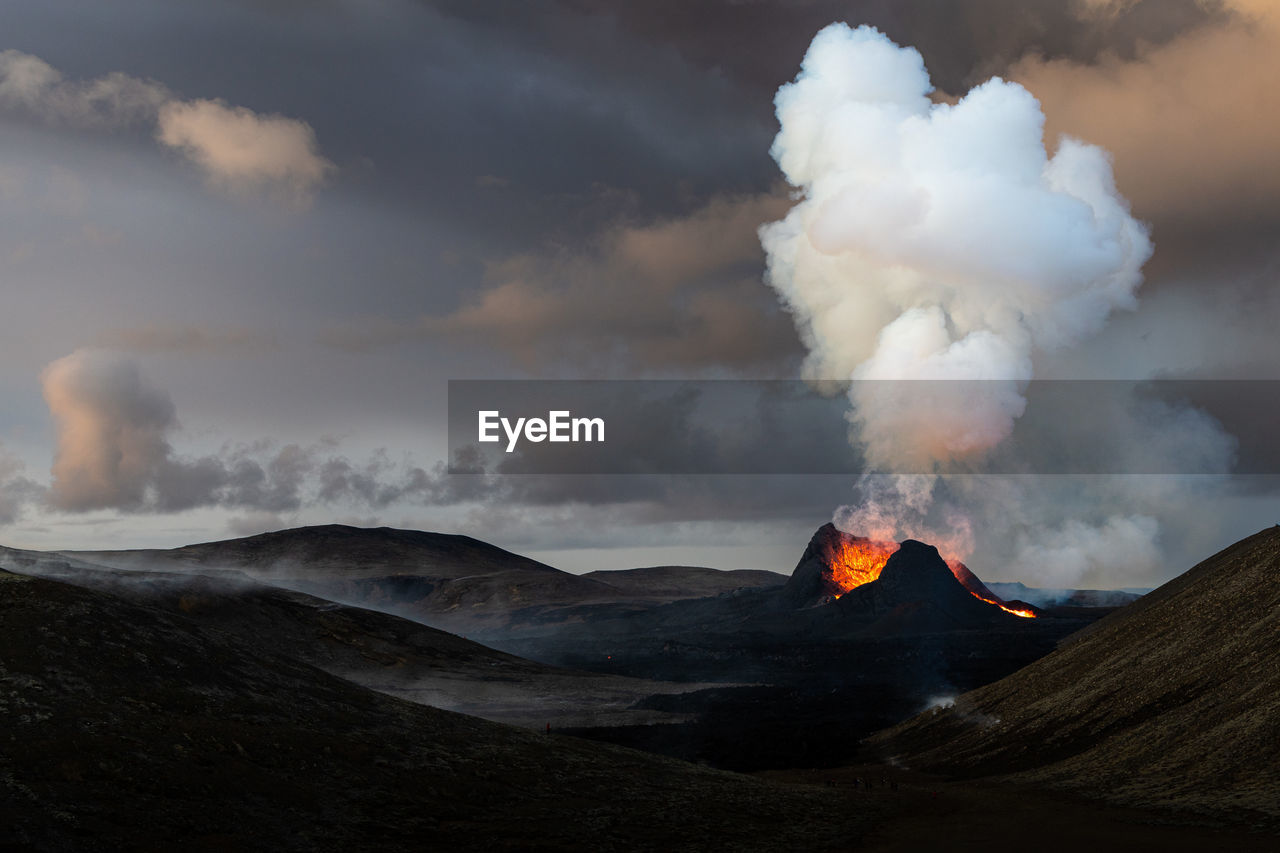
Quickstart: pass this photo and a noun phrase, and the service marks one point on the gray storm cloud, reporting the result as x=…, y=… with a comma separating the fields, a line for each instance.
x=16, y=490
x=239, y=150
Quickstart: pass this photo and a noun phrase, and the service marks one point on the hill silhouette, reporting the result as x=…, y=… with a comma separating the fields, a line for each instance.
x=130, y=726
x=454, y=582
x=1170, y=702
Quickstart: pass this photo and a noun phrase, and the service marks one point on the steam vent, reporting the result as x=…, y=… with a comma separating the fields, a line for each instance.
x=870, y=576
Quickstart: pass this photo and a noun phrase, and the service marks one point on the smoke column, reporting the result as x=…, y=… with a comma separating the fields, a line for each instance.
x=935, y=241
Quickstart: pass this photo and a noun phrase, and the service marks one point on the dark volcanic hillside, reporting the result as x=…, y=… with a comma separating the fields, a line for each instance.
x=387, y=653
x=131, y=727
x=351, y=551
x=1173, y=701
x=673, y=583
x=453, y=582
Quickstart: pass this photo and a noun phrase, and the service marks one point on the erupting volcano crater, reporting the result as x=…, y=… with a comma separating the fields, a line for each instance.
x=837, y=563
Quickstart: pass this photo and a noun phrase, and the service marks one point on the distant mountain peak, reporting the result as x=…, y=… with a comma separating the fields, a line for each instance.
x=342, y=548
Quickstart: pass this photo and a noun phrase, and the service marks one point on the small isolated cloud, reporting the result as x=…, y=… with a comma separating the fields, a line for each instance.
x=111, y=431
x=241, y=150
x=113, y=449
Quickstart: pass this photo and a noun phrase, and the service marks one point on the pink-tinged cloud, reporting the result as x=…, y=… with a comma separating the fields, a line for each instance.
x=242, y=150
x=239, y=150
x=111, y=431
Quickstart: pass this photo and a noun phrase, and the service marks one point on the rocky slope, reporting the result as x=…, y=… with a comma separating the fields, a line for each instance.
x=1173, y=701
x=374, y=649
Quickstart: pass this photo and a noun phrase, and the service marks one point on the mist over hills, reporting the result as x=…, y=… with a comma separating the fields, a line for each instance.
x=453, y=582
x=1172, y=701
x=134, y=727
x=381, y=651
x=340, y=548
x=1045, y=597
x=739, y=669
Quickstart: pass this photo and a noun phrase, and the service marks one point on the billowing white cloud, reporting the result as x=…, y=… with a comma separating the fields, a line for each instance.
x=937, y=241
x=943, y=241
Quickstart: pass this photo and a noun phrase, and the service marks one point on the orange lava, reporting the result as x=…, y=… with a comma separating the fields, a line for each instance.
x=1025, y=614
x=974, y=587
x=855, y=561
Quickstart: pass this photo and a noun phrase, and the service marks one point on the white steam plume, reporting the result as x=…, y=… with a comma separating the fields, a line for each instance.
x=937, y=241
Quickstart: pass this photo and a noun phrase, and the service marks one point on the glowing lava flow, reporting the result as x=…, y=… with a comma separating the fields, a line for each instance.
x=855, y=561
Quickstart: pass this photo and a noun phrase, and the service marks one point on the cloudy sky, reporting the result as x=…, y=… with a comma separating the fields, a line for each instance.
x=244, y=244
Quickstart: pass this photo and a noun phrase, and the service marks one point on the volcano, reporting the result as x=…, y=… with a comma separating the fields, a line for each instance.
x=874, y=577
x=861, y=634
